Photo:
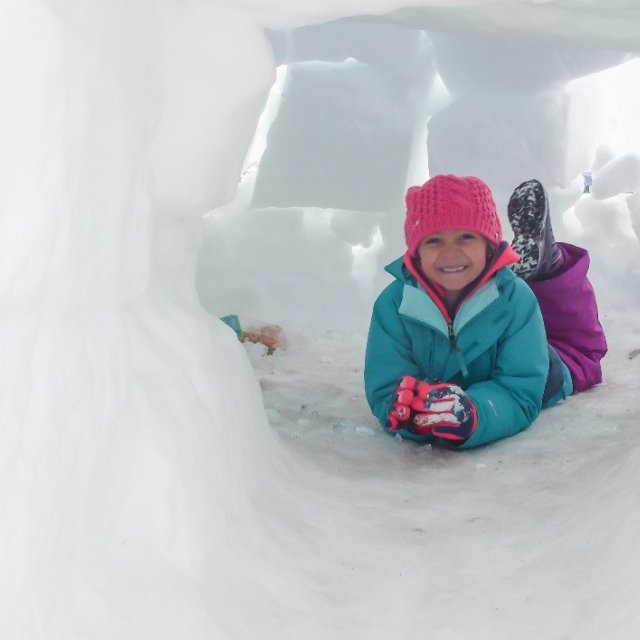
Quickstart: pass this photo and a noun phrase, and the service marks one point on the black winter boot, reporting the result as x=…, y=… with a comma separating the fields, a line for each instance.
x=528, y=210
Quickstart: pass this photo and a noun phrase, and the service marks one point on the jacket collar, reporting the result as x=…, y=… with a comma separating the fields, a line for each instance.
x=407, y=270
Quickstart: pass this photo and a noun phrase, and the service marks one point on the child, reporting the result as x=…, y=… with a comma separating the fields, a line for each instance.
x=464, y=349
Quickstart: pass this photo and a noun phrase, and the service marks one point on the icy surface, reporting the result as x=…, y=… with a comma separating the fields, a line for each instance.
x=531, y=536
x=151, y=488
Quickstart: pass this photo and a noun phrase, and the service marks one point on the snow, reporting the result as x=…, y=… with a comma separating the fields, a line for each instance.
x=533, y=536
x=161, y=480
x=618, y=176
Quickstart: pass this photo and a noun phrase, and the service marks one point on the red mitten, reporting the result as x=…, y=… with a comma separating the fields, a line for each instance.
x=402, y=414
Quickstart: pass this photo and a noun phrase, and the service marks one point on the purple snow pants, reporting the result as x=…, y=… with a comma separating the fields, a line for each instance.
x=570, y=314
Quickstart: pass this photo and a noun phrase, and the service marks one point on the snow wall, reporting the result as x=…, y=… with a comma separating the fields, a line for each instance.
x=136, y=458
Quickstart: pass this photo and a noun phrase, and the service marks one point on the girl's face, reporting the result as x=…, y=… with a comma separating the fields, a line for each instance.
x=453, y=259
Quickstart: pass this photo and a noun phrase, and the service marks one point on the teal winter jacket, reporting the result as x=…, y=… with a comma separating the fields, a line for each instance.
x=495, y=349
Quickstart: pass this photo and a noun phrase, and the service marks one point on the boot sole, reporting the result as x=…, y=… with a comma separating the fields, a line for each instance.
x=527, y=211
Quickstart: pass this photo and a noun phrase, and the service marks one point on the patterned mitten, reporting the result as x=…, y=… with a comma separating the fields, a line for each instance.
x=447, y=411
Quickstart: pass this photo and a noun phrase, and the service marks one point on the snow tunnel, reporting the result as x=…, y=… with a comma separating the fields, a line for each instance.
x=147, y=489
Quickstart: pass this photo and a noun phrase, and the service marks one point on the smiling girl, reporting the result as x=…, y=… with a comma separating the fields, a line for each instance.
x=458, y=350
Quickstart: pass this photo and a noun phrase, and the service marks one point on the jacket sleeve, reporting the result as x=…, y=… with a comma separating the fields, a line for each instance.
x=389, y=352
x=511, y=399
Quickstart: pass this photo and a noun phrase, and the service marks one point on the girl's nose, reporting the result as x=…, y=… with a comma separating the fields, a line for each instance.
x=451, y=248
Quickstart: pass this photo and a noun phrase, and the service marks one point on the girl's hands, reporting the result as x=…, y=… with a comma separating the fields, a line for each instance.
x=443, y=410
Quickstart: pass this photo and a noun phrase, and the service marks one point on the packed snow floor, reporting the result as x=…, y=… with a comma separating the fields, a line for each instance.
x=531, y=537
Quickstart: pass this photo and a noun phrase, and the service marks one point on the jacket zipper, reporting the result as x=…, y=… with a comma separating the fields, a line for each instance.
x=456, y=350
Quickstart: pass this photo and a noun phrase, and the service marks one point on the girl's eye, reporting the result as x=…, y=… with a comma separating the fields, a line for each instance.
x=431, y=241
x=468, y=236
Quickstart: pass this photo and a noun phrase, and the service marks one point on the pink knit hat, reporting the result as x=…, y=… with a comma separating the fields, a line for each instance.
x=450, y=202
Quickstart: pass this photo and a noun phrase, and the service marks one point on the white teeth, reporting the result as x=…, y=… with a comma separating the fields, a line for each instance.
x=452, y=269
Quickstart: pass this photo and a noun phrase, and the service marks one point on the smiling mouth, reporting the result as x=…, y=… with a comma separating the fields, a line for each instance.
x=452, y=269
